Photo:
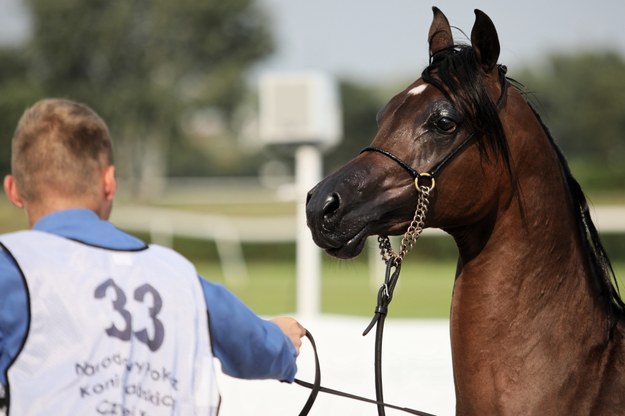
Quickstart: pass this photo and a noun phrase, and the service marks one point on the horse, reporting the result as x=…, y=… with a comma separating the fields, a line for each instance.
x=536, y=319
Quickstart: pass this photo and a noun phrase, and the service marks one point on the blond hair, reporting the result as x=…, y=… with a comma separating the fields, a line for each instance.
x=59, y=148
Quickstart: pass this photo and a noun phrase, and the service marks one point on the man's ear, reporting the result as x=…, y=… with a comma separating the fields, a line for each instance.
x=109, y=183
x=10, y=189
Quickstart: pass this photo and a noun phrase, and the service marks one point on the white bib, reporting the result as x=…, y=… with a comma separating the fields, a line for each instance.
x=110, y=332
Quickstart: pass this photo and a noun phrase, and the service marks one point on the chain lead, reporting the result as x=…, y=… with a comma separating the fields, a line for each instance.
x=412, y=233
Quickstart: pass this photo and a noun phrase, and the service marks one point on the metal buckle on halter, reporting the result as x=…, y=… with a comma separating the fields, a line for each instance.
x=427, y=176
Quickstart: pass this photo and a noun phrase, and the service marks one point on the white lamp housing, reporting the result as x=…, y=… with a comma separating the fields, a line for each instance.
x=299, y=108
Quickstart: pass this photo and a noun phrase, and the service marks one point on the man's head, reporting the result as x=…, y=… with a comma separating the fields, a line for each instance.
x=61, y=158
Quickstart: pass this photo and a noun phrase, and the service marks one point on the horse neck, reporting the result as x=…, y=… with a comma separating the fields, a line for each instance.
x=524, y=304
x=531, y=224
x=527, y=256
x=532, y=233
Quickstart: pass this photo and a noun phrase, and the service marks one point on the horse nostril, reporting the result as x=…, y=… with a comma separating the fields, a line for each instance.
x=331, y=204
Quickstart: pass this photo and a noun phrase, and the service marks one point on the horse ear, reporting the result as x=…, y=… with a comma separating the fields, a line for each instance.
x=440, y=36
x=485, y=41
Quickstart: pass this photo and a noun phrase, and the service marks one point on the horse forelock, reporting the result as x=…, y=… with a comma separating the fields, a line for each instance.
x=456, y=73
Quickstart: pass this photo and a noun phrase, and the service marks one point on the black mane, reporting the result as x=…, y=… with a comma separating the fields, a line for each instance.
x=600, y=264
x=455, y=72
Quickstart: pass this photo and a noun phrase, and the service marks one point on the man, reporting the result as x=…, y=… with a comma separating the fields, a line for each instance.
x=94, y=321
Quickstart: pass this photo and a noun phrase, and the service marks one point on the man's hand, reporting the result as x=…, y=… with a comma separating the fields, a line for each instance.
x=291, y=329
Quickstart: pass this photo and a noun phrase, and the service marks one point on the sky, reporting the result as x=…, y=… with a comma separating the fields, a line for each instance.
x=380, y=40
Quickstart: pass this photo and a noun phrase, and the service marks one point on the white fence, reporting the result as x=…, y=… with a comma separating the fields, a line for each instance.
x=229, y=232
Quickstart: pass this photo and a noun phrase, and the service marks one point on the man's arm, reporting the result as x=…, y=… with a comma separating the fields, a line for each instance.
x=248, y=346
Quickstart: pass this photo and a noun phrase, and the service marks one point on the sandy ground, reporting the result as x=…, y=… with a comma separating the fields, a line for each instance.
x=416, y=367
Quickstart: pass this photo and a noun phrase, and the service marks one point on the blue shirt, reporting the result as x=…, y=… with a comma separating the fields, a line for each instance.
x=246, y=345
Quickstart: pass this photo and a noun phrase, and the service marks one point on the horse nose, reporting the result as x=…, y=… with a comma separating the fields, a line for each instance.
x=323, y=207
x=331, y=204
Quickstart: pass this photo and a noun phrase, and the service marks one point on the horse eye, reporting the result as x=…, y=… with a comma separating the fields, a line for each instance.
x=446, y=124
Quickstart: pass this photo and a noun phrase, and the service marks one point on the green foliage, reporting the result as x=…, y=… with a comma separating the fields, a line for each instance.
x=158, y=55
x=582, y=100
x=360, y=106
x=144, y=65
x=18, y=91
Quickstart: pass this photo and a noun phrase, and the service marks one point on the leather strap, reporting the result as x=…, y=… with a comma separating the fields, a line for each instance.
x=316, y=387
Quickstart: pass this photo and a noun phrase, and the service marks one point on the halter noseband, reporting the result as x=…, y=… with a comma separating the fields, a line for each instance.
x=431, y=175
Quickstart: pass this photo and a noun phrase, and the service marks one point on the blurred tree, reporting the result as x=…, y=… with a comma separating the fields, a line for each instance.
x=147, y=66
x=360, y=105
x=18, y=92
x=581, y=98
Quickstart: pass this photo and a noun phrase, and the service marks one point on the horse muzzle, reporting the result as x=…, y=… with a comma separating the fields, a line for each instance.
x=331, y=222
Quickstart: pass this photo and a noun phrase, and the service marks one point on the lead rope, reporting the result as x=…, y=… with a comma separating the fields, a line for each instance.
x=393, y=262
x=316, y=387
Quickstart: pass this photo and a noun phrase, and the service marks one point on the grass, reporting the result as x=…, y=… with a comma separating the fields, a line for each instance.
x=424, y=289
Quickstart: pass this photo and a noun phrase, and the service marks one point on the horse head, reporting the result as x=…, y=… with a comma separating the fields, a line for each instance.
x=443, y=127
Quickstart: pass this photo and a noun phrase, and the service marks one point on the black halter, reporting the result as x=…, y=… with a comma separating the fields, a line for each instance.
x=435, y=170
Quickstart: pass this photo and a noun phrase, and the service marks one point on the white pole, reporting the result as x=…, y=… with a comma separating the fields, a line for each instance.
x=308, y=164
